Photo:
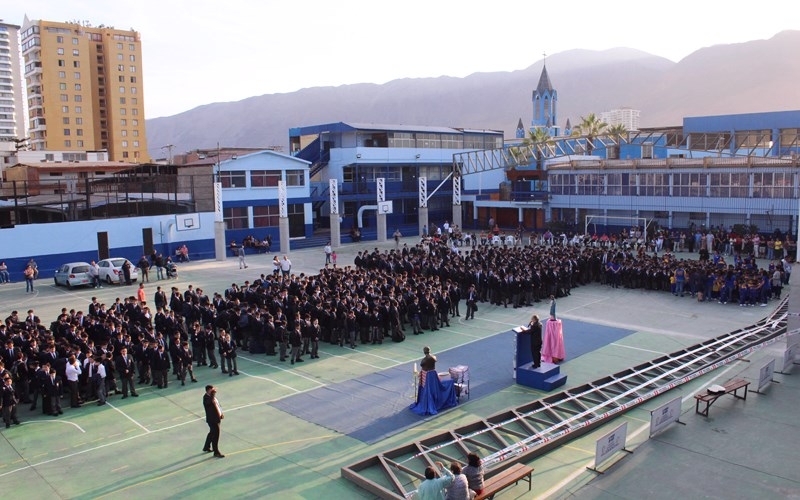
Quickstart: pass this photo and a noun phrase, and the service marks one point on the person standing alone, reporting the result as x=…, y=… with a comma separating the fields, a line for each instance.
x=214, y=418
x=240, y=253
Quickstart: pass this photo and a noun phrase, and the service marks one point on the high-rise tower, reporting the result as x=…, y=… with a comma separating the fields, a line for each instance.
x=12, y=115
x=85, y=89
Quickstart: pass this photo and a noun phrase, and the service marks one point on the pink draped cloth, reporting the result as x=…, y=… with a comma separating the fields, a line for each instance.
x=553, y=344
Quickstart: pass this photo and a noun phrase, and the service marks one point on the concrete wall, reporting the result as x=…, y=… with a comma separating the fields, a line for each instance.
x=54, y=244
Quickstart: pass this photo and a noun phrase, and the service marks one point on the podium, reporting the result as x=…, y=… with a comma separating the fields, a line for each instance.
x=545, y=378
x=434, y=395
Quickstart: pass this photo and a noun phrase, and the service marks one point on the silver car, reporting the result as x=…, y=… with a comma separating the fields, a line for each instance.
x=73, y=274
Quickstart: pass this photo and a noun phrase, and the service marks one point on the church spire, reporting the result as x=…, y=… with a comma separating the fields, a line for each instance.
x=545, y=100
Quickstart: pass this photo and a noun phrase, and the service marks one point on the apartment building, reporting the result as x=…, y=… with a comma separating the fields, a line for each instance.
x=85, y=89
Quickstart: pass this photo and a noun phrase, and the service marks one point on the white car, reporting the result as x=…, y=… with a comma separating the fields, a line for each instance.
x=73, y=274
x=111, y=271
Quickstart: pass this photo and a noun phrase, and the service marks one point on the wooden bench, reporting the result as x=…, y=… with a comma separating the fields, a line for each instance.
x=731, y=387
x=504, y=479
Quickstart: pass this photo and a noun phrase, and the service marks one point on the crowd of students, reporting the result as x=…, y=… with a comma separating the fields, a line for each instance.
x=383, y=295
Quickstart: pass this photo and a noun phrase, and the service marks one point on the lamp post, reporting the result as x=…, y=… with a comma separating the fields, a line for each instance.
x=169, y=148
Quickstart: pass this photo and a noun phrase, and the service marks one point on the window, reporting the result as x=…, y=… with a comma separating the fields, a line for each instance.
x=62, y=86
x=136, y=144
x=64, y=97
x=78, y=98
x=62, y=74
x=122, y=100
x=67, y=143
x=295, y=178
x=79, y=121
x=120, y=67
x=233, y=179
x=235, y=217
x=79, y=144
x=65, y=109
x=131, y=47
x=132, y=69
x=133, y=90
x=264, y=178
x=135, y=111
x=124, y=144
x=123, y=122
x=74, y=41
x=123, y=111
x=77, y=76
x=134, y=100
x=124, y=154
x=561, y=183
x=79, y=131
x=65, y=120
x=119, y=57
x=60, y=51
x=121, y=89
x=124, y=133
x=61, y=62
x=620, y=184
x=590, y=184
x=78, y=109
x=135, y=123
x=729, y=185
x=75, y=53
x=77, y=86
x=121, y=79
x=132, y=57
x=59, y=39
x=772, y=185
x=689, y=184
x=654, y=184
x=133, y=79
x=76, y=64
x=266, y=216
x=119, y=46
x=136, y=133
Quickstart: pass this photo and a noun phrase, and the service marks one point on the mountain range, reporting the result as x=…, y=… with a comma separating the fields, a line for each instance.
x=749, y=77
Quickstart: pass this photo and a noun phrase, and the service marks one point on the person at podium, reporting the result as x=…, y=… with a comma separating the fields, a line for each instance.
x=534, y=329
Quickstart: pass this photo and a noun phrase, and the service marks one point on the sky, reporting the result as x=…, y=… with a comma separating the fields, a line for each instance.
x=199, y=52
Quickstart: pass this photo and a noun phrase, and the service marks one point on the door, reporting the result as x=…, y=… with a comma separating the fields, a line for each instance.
x=147, y=240
x=102, y=246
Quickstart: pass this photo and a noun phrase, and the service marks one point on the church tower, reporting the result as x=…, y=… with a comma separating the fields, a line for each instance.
x=545, y=102
x=520, y=130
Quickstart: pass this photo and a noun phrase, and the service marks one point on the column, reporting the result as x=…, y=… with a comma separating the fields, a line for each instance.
x=423, y=203
x=457, y=216
x=335, y=220
x=283, y=214
x=219, y=223
x=381, y=216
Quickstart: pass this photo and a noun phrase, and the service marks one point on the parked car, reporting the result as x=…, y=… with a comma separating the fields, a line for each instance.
x=111, y=270
x=73, y=274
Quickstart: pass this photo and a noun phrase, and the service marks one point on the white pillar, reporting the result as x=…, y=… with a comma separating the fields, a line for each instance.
x=335, y=222
x=457, y=216
x=381, y=216
x=219, y=223
x=423, y=203
x=283, y=217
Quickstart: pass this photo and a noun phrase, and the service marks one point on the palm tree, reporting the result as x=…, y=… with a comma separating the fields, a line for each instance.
x=591, y=126
x=617, y=130
x=537, y=138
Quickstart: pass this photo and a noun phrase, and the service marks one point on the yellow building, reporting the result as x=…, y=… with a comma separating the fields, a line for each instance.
x=85, y=89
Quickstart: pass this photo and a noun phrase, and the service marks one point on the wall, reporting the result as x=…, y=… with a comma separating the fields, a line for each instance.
x=54, y=244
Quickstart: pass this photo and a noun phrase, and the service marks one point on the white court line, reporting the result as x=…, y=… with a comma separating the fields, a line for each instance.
x=637, y=348
x=129, y=418
x=269, y=380
x=129, y=438
x=565, y=482
x=59, y=421
x=299, y=374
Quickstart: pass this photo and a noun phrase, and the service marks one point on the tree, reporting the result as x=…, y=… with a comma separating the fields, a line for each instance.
x=537, y=138
x=617, y=130
x=590, y=127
